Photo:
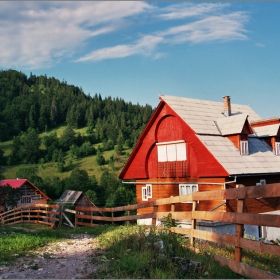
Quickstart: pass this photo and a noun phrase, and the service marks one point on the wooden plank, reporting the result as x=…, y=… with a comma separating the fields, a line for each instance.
x=70, y=211
x=175, y=215
x=240, y=218
x=246, y=270
x=183, y=231
x=69, y=222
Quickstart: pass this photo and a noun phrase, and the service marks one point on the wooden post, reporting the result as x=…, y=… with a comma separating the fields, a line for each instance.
x=76, y=219
x=128, y=214
x=172, y=206
x=60, y=215
x=154, y=220
x=239, y=229
x=193, y=225
x=112, y=215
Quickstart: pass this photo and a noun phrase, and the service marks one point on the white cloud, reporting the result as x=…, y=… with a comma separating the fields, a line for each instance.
x=41, y=34
x=185, y=10
x=143, y=46
x=212, y=28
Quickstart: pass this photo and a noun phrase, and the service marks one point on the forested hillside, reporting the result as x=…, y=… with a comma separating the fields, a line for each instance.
x=30, y=106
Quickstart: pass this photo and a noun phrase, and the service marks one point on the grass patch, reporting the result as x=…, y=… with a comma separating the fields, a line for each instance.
x=133, y=252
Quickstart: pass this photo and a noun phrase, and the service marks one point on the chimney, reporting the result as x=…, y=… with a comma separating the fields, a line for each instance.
x=227, y=106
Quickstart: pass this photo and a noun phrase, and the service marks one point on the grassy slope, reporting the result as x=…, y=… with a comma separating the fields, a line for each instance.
x=49, y=169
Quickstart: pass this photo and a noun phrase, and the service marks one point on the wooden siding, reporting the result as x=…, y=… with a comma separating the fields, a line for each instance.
x=168, y=190
x=167, y=126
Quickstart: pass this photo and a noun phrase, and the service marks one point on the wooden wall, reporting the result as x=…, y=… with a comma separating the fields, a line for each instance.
x=167, y=190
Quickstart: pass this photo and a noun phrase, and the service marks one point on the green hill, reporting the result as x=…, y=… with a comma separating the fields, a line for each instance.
x=59, y=138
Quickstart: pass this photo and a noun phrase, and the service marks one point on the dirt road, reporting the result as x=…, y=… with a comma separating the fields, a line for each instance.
x=68, y=259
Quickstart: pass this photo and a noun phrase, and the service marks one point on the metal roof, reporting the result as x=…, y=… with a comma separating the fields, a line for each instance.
x=14, y=183
x=70, y=196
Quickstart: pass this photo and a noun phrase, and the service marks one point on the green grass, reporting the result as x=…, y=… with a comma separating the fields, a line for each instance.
x=126, y=252
x=49, y=169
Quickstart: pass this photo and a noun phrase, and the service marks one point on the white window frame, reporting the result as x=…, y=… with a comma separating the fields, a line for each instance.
x=244, y=147
x=147, y=192
x=172, y=151
x=185, y=189
x=277, y=148
x=144, y=194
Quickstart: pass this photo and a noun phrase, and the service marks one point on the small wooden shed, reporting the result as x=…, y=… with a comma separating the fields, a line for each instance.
x=77, y=198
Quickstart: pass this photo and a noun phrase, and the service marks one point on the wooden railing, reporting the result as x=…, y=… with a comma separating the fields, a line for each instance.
x=32, y=213
x=88, y=217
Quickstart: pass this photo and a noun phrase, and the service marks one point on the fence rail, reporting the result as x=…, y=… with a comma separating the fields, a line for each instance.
x=32, y=213
x=90, y=216
x=239, y=218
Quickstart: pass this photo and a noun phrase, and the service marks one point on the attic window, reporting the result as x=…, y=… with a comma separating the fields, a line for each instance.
x=244, y=148
x=277, y=148
x=171, y=151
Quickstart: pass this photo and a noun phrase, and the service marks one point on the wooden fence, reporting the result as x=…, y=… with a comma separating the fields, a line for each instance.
x=49, y=214
x=88, y=217
x=32, y=213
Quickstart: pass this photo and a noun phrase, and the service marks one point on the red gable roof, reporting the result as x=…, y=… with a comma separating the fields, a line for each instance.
x=14, y=183
x=17, y=183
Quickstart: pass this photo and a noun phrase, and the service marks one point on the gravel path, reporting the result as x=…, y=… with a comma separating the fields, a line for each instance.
x=69, y=259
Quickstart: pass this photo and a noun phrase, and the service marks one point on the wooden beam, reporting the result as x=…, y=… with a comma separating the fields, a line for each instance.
x=246, y=270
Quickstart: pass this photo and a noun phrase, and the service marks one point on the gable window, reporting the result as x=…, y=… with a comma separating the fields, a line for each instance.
x=277, y=148
x=244, y=148
x=147, y=192
x=25, y=199
x=185, y=189
x=172, y=159
x=171, y=151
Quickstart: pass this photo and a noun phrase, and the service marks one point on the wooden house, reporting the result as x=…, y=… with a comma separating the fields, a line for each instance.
x=193, y=145
x=29, y=193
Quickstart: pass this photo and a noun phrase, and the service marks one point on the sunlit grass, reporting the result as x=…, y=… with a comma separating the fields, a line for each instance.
x=49, y=169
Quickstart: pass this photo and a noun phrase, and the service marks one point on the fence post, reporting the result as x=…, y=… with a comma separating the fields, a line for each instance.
x=172, y=206
x=239, y=229
x=154, y=220
x=128, y=214
x=193, y=225
x=60, y=215
x=112, y=215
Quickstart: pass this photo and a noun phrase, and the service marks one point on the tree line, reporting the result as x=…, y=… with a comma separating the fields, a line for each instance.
x=36, y=104
x=42, y=103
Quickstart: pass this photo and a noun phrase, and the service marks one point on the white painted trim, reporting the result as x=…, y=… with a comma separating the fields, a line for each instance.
x=170, y=142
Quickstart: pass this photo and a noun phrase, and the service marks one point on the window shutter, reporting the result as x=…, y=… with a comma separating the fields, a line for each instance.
x=171, y=152
x=277, y=148
x=181, y=151
x=244, y=148
x=162, y=156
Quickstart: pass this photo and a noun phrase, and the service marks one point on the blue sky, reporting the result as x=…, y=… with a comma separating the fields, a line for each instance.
x=134, y=50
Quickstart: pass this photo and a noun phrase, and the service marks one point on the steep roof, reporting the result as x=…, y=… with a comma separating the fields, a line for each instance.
x=70, y=196
x=14, y=183
x=17, y=183
x=267, y=130
x=201, y=115
x=209, y=123
x=232, y=124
